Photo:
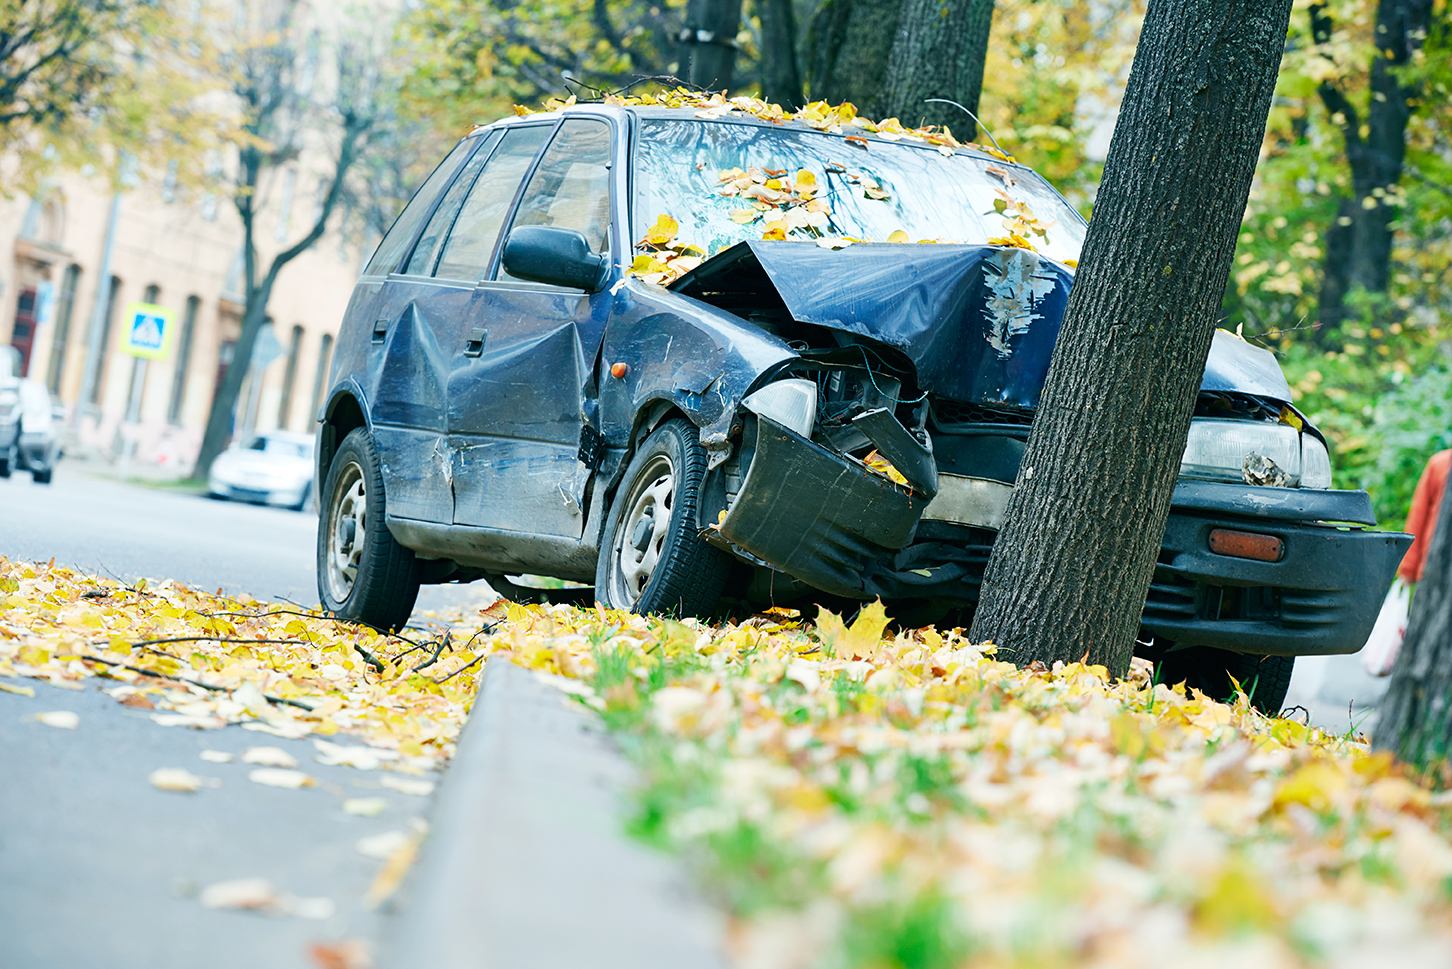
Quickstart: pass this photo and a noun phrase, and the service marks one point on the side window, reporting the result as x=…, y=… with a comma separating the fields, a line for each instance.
x=571, y=187
x=470, y=245
x=421, y=263
x=390, y=250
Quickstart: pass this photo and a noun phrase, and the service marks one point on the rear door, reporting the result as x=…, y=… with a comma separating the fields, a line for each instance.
x=519, y=385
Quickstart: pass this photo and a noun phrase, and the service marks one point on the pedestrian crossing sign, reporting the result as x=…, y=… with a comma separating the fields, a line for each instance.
x=148, y=331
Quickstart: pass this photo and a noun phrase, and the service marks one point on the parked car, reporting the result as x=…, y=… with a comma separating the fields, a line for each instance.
x=9, y=408
x=274, y=468
x=574, y=354
x=37, y=441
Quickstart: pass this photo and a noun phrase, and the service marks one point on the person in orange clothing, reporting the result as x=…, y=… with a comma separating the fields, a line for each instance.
x=1422, y=519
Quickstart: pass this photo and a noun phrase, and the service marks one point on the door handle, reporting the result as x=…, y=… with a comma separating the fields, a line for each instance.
x=474, y=346
x=380, y=330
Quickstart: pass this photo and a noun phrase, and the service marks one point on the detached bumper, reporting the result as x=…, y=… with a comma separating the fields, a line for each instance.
x=1321, y=596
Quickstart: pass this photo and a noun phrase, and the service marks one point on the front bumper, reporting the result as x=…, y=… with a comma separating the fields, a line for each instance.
x=289, y=497
x=828, y=521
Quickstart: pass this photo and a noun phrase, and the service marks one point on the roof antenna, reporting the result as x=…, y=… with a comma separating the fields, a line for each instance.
x=969, y=114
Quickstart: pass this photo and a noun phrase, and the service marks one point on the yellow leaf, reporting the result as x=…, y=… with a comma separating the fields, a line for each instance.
x=775, y=230
x=898, y=236
x=662, y=231
x=1315, y=785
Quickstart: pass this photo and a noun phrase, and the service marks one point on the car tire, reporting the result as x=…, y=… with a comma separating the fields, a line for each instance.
x=5, y=466
x=41, y=477
x=363, y=573
x=652, y=559
x=1264, y=678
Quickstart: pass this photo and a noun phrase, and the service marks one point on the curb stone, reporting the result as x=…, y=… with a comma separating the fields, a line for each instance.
x=528, y=865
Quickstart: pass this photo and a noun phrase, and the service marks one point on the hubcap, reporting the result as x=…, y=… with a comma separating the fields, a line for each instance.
x=347, y=532
x=643, y=529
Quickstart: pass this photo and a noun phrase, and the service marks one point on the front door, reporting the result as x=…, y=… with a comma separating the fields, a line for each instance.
x=520, y=383
x=22, y=337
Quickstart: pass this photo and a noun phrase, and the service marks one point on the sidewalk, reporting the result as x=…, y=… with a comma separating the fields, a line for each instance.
x=528, y=866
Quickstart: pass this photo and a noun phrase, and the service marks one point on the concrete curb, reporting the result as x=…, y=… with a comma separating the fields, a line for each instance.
x=527, y=865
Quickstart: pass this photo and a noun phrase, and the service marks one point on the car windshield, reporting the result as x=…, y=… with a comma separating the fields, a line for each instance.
x=273, y=445
x=873, y=190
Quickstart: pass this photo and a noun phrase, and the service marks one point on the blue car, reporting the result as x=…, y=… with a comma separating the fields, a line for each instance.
x=707, y=358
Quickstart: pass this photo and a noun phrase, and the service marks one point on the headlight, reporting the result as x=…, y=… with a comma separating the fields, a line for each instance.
x=1217, y=449
x=791, y=403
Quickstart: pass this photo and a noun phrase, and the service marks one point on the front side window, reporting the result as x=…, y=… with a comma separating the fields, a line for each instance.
x=391, y=249
x=470, y=245
x=571, y=187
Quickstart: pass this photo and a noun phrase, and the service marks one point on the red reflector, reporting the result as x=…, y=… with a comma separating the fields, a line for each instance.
x=1246, y=545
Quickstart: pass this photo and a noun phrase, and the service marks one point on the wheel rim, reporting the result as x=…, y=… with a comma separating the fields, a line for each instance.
x=347, y=531
x=640, y=539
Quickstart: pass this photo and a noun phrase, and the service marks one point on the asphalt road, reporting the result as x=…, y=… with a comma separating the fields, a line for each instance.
x=100, y=869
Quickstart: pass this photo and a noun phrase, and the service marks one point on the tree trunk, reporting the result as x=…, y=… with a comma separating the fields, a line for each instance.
x=781, y=78
x=939, y=53
x=224, y=406
x=1415, y=720
x=1365, y=222
x=708, y=42
x=1071, y=566
x=849, y=47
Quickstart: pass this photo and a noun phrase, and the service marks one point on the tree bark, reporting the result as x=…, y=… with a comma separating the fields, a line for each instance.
x=939, y=52
x=850, y=44
x=1071, y=566
x=781, y=78
x=1359, y=245
x=1415, y=718
x=708, y=42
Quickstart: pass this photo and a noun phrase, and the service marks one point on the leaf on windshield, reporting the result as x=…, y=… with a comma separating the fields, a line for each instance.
x=662, y=232
x=898, y=236
x=743, y=216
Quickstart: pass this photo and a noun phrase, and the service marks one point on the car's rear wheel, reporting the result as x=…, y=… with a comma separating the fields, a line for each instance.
x=1265, y=679
x=651, y=558
x=363, y=573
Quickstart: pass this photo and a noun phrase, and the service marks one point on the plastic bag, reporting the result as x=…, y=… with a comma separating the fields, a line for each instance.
x=1380, y=652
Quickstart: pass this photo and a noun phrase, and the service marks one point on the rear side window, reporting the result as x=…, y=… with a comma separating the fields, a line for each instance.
x=571, y=187
x=471, y=242
x=427, y=250
x=391, y=249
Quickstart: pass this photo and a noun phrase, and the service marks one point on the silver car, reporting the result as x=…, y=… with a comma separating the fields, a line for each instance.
x=274, y=468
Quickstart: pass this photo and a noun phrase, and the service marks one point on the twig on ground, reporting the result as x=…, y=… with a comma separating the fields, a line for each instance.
x=182, y=679
x=461, y=669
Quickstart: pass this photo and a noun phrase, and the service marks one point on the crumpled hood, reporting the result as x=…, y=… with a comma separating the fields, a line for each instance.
x=978, y=322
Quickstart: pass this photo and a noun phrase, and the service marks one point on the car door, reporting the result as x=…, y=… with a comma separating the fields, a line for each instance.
x=400, y=309
x=517, y=391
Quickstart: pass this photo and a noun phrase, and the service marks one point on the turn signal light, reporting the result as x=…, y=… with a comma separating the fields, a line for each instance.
x=1246, y=545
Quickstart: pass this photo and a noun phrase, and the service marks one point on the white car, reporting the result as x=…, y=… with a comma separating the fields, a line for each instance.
x=275, y=468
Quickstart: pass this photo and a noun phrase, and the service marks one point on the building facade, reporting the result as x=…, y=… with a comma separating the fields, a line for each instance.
x=66, y=316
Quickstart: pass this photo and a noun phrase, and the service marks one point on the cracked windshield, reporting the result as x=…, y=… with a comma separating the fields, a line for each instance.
x=727, y=183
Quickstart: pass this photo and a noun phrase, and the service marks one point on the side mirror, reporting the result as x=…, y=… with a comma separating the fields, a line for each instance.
x=561, y=257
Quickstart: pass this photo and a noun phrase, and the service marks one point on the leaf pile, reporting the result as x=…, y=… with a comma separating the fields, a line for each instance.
x=854, y=796
x=872, y=799
x=203, y=661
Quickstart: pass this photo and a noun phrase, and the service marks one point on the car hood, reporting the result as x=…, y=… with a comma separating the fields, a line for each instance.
x=978, y=322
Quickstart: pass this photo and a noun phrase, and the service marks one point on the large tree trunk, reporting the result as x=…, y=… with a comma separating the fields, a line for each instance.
x=781, y=78
x=708, y=42
x=1071, y=566
x=849, y=47
x=939, y=53
x=1359, y=245
x=1415, y=720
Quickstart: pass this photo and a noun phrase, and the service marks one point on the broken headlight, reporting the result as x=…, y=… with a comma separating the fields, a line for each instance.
x=791, y=403
x=1255, y=453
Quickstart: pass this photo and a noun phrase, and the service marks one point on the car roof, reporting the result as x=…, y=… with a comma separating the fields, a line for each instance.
x=693, y=113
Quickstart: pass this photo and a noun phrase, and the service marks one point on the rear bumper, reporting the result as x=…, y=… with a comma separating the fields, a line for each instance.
x=833, y=524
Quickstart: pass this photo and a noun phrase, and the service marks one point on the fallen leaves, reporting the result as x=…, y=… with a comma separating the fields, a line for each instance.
x=280, y=777
x=175, y=779
x=63, y=719
x=259, y=895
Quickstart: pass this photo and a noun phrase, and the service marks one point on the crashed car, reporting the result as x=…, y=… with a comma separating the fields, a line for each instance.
x=693, y=356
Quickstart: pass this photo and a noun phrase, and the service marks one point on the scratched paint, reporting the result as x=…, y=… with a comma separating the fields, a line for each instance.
x=1016, y=282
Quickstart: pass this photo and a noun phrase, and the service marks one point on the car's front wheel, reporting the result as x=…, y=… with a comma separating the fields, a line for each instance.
x=651, y=558
x=363, y=573
x=1265, y=679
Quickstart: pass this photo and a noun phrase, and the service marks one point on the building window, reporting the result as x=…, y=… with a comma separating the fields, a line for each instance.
x=183, y=360
x=320, y=382
x=151, y=294
x=289, y=377
x=64, y=308
x=108, y=323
